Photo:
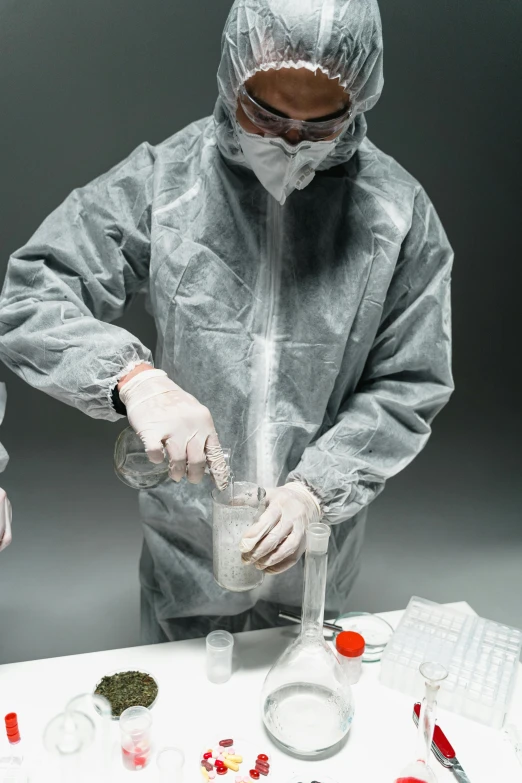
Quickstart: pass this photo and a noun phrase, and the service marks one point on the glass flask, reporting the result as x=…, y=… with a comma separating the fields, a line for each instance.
x=233, y=511
x=307, y=702
x=134, y=468
x=419, y=771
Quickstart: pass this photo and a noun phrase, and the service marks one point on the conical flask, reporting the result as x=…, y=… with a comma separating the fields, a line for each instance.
x=307, y=702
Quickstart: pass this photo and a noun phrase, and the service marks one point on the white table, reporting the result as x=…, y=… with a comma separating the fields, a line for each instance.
x=192, y=713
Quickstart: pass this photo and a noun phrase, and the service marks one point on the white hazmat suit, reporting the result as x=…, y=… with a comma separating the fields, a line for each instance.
x=317, y=332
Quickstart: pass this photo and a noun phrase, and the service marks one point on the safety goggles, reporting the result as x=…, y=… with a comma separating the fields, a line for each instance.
x=277, y=125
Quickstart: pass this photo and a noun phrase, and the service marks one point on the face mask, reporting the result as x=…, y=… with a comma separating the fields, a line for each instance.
x=279, y=166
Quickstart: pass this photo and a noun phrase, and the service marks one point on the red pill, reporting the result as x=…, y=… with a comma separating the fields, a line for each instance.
x=218, y=764
x=226, y=743
x=262, y=757
x=207, y=765
x=262, y=771
x=207, y=755
x=254, y=774
x=222, y=770
x=262, y=764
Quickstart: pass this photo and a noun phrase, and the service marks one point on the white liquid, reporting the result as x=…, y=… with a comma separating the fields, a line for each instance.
x=306, y=718
x=230, y=524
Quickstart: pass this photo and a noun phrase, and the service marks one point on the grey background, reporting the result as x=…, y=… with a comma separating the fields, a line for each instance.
x=81, y=85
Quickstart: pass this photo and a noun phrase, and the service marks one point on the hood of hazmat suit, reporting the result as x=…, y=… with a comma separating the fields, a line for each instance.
x=317, y=332
x=4, y=459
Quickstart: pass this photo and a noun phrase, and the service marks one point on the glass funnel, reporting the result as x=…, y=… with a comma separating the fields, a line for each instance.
x=307, y=702
x=419, y=771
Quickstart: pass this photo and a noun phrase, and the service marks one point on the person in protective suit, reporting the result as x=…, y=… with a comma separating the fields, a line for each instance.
x=299, y=280
x=5, y=506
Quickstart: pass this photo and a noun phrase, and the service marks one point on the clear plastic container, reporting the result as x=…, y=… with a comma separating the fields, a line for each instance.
x=350, y=649
x=234, y=511
x=170, y=762
x=220, y=648
x=136, y=739
x=307, y=701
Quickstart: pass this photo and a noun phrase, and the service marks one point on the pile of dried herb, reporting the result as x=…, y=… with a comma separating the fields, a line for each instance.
x=127, y=689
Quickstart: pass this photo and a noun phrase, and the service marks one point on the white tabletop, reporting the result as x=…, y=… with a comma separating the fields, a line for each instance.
x=192, y=713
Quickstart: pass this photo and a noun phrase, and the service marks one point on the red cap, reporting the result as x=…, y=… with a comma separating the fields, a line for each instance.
x=350, y=644
x=11, y=725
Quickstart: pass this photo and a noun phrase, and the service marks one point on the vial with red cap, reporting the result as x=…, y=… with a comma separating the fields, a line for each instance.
x=350, y=648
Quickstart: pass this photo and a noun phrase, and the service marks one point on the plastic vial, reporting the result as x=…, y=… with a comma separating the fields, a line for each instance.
x=170, y=762
x=350, y=649
x=220, y=647
x=135, y=730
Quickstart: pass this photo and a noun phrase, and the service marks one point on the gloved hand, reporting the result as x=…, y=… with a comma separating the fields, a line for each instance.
x=278, y=539
x=5, y=521
x=162, y=414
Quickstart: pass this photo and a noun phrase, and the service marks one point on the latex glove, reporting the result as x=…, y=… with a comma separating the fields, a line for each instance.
x=278, y=539
x=162, y=414
x=5, y=521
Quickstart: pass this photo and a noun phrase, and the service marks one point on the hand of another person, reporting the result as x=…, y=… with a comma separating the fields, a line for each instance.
x=278, y=539
x=162, y=414
x=5, y=521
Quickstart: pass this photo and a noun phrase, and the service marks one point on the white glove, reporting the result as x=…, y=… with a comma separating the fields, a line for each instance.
x=5, y=521
x=162, y=414
x=278, y=539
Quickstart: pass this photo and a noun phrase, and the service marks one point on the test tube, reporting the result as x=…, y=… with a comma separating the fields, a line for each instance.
x=170, y=762
x=220, y=646
x=135, y=731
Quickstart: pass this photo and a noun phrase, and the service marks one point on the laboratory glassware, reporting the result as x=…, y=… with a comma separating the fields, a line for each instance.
x=136, y=739
x=350, y=649
x=307, y=703
x=170, y=762
x=139, y=671
x=220, y=649
x=235, y=509
x=442, y=749
x=134, y=468
x=481, y=657
x=419, y=771
x=376, y=632
x=79, y=740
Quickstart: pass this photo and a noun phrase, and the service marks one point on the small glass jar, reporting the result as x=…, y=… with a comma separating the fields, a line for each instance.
x=235, y=510
x=350, y=649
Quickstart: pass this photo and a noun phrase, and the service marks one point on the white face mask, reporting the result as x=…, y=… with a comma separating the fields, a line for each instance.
x=279, y=166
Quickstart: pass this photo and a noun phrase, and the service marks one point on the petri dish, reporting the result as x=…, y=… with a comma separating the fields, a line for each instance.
x=122, y=671
x=375, y=631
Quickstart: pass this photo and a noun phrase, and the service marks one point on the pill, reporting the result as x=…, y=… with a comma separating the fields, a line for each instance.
x=262, y=757
x=262, y=764
x=226, y=743
x=208, y=766
x=207, y=755
x=222, y=770
x=237, y=759
x=212, y=775
x=262, y=770
x=232, y=765
x=254, y=774
x=239, y=779
x=218, y=763
x=204, y=773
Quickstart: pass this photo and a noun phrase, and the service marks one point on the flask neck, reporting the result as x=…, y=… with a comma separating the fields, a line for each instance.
x=314, y=592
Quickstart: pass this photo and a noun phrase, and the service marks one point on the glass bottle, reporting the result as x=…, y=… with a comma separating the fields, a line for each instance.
x=307, y=702
x=419, y=771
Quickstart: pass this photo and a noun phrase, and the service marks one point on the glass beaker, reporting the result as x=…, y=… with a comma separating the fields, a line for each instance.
x=419, y=771
x=134, y=468
x=307, y=702
x=234, y=510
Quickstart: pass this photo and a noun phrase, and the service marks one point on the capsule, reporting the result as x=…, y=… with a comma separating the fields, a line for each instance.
x=207, y=755
x=204, y=773
x=226, y=743
x=234, y=757
x=208, y=766
x=262, y=757
x=254, y=774
x=222, y=770
x=231, y=765
x=262, y=764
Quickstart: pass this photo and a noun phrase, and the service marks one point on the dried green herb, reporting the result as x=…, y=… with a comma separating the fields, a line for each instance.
x=127, y=689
